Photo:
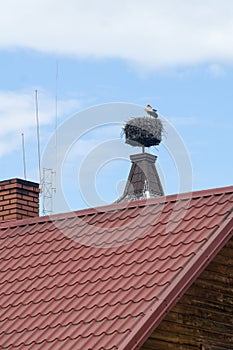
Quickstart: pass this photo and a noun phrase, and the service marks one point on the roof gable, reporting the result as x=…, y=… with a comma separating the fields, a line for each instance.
x=103, y=278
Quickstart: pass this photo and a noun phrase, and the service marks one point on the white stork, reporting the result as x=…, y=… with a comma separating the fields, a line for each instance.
x=151, y=111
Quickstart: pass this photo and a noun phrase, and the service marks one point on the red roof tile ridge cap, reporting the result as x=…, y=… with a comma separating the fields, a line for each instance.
x=190, y=272
x=159, y=200
x=116, y=207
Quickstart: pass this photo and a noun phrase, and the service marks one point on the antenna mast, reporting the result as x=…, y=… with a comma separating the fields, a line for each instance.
x=48, y=180
x=56, y=113
x=24, y=158
x=38, y=133
x=47, y=189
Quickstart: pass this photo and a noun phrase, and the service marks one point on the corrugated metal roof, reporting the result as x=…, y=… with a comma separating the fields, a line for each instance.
x=104, y=278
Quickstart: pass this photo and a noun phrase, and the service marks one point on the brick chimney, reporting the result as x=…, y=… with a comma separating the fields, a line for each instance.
x=19, y=199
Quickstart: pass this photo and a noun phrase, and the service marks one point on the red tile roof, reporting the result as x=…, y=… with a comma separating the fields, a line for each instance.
x=104, y=278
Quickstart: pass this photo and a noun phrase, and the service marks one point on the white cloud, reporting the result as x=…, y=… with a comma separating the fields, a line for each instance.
x=17, y=115
x=150, y=33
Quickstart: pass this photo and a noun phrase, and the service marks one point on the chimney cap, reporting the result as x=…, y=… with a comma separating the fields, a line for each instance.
x=19, y=181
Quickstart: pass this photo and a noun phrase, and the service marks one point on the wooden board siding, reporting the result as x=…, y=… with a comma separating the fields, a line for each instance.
x=203, y=318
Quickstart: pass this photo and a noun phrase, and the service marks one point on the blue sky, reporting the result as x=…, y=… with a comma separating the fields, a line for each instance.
x=112, y=58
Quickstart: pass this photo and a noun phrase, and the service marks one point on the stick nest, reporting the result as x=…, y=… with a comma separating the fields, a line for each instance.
x=143, y=131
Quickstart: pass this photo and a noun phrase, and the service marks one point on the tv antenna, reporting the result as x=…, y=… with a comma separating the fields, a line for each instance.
x=45, y=178
x=48, y=179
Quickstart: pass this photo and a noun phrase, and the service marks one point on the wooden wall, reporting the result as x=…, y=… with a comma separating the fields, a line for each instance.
x=203, y=318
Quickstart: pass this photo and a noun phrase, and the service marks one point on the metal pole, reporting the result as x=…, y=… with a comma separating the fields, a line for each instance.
x=38, y=133
x=24, y=158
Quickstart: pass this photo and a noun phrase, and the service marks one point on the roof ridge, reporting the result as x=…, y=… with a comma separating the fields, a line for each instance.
x=117, y=207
